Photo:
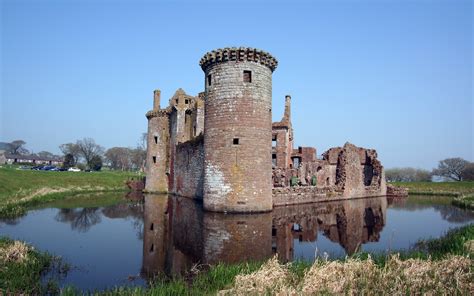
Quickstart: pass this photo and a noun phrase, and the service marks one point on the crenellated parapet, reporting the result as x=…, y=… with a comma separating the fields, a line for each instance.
x=157, y=113
x=238, y=54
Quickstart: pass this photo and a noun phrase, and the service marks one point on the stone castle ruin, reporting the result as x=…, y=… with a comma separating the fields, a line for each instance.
x=222, y=147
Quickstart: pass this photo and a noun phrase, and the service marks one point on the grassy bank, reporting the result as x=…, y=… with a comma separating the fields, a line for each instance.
x=436, y=266
x=438, y=188
x=465, y=201
x=20, y=189
x=462, y=192
x=21, y=268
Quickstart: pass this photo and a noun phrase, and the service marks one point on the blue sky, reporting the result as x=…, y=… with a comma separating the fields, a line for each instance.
x=391, y=75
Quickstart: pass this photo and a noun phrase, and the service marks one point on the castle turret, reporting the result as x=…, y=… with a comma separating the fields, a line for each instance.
x=157, y=154
x=238, y=130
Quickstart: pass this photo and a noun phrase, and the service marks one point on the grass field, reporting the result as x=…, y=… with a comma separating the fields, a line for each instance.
x=462, y=192
x=20, y=189
x=438, y=188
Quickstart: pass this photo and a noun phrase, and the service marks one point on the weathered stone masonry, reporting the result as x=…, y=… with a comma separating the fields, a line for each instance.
x=222, y=147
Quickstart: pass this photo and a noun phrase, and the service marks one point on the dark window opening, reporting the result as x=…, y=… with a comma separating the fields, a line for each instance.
x=154, y=159
x=151, y=226
x=274, y=232
x=177, y=101
x=156, y=140
x=300, y=150
x=247, y=76
x=186, y=101
x=236, y=141
x=209, y=79
x=274, y=160
x=152, y=248
x=318, y=169
x=327, y=181
x=194, y=132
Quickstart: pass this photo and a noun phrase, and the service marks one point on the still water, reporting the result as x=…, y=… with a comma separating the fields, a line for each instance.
x=111, y=241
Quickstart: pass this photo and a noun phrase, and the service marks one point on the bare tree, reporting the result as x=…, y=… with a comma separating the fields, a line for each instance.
x=451, y=168
x=407, y=175
x=46, y=155
x=118, y=158
x=71, y=148
x=16, y=147
x=89, y=149
x=142, y=141
x=138, y=157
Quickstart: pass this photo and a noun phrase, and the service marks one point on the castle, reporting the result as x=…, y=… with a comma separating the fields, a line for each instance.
x=222, y=147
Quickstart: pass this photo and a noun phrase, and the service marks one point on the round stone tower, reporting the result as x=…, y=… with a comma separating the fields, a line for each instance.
x=238, y=130
x=157, y=148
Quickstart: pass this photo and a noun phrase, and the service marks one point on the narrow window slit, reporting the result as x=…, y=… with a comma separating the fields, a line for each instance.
x=247, y=76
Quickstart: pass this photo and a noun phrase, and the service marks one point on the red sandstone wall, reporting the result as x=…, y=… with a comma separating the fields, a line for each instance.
x=188, y=169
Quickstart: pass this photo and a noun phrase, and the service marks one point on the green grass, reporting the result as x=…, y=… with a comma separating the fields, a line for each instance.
x=438, y=188
x=453, y=242
x=462, y=193
x=24, y=277
x=465, y=201
x=21, y=189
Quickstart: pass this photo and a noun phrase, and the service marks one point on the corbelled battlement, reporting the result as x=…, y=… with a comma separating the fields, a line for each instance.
x=238, y=54
x=157, y=113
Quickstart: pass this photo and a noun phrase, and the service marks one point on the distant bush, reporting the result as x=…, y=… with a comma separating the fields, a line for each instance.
x=407, y=175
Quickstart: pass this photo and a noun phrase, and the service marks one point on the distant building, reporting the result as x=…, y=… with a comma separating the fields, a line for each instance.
x=30, y=159
x=3, y=159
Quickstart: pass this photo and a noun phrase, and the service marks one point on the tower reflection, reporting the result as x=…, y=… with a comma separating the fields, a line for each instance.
x=178, y=234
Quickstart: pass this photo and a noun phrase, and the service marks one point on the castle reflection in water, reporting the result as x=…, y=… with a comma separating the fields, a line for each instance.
x=178, y=234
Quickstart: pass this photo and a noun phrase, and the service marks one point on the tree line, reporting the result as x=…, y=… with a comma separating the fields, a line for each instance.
x=87, y=154
x=95, y=156
x=453, y=169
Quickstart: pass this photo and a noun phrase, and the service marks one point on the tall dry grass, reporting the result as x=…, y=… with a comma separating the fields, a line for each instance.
x=450, y=276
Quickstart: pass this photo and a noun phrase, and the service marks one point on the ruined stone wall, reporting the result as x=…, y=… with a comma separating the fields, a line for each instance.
x=283, y=148
x=173, y=126
x=200, y=112
x=188, y=169
x=237, y=138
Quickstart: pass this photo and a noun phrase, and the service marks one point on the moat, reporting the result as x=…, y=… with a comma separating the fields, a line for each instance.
x=121, y=241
